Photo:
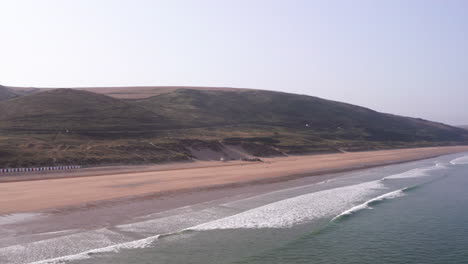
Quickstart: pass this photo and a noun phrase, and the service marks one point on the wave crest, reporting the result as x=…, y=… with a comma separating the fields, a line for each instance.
x=366, y=205
x=460, y=161
x=296, y=210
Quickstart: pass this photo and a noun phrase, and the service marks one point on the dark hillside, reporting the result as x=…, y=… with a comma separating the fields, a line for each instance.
x=6, y=93
x=73, y=110
x=70, y=126
x=194, y=108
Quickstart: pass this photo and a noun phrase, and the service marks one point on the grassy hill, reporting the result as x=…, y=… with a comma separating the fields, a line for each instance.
x=195, y=108
x=158, y=124
x=74, y=110
x=141, y=92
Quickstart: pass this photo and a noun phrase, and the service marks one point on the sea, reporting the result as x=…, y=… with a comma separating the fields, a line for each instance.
x=414, y=212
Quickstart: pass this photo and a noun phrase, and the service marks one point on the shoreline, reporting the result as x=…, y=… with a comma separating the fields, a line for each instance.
x=106, y=170
x=171, y=180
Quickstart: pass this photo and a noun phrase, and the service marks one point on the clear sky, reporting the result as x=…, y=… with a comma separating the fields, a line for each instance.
x=407, y=57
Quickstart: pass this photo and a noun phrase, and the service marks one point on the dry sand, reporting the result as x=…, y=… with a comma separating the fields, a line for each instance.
x=91, y=186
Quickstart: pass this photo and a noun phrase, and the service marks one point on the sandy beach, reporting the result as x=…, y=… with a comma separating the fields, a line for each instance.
x=91, y=186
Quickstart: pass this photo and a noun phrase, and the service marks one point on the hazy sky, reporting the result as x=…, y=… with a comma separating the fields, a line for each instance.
x=406, y=57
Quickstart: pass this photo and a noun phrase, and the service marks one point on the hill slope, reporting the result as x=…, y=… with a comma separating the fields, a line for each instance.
x=195, y=108
x=6, y=93
x=141, y=92
x=67, y=109
x=80, y=126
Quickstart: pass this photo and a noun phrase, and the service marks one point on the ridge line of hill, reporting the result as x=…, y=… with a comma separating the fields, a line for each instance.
x=150, y=124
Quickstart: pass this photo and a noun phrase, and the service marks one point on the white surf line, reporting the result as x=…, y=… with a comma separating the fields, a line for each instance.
x=365, y=205
x=136, y=244
x=69, y=244
x=56, y=232
x=349, y=194
x=42, y=234
x=205, y=215
x=343, y=177
x=18, y=217
x=299, y=209
x=141, y=243
x=275, y=192
x=141, y=228
x=176, y=223
x=355, y=191
x=459, y=161
x=368, y=187
x=418, y=172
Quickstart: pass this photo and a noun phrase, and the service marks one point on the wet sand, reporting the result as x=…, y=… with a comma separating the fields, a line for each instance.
x=87, y=188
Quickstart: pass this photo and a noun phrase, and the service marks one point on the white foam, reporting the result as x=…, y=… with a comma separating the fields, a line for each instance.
x=142, y=243
x=460, y=160
x=277, y=214
x=56, y=232
x=60, y=246
x=387, y=196
x=175, y=223
x=418, y=172
x=18, y=218
x=288, y=212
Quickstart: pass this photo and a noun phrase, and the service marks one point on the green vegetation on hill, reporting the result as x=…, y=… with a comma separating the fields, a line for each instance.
x=73, y=110
x=68, y=126
x=193, y=108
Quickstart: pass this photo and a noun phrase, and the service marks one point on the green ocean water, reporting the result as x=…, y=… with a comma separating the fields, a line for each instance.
x=427, y=222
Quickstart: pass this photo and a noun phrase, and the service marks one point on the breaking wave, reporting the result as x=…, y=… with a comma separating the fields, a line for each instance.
x=296, y=210
x=332, y=204
x=367, y=204
x=460, y=161
x=281, y=214
x=418, y=172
